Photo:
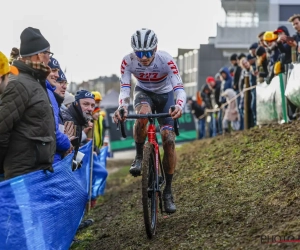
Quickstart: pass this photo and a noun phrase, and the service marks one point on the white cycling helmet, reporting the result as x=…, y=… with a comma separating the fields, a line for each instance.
x=143, y=40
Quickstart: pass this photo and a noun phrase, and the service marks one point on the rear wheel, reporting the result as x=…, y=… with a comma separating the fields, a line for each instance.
x=149, y=194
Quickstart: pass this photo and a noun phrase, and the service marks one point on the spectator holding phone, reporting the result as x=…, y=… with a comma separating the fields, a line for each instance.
x=295, y=20
x=283, y=45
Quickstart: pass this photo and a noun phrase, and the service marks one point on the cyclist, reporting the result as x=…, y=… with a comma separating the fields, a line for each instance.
x=158, y=79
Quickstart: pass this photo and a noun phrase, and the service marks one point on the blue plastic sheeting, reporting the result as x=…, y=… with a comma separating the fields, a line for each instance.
x=99, y=173
x=42, y=210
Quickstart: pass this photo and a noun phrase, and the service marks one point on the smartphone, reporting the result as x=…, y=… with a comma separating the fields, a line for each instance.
x=290, y=39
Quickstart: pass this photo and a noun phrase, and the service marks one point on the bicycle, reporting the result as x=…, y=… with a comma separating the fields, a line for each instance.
x=153, y=176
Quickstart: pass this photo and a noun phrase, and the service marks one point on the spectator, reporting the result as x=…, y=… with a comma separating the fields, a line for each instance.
x=69, y=98
x=247, y=70
x=198, y=112
x=80, y=113
x=226, y=82
x=14, y=54
x=5, y=70
x=252, y=50
x=273, y=51
x=283, y=46
x=206, y=92
x=217, y=88
x=295, y=20
x=61, y=85
x=27, y=125
x=99, y=130
x=260, y=39
x=236, y=73
x=261, y=64
x=63, y=143
x=231, y=113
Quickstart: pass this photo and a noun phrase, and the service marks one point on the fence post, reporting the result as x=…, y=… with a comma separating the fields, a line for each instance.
x=246, y=100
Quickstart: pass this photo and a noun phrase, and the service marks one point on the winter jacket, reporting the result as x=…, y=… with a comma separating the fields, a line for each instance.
x=27, y=125
x=226, y=83
x=236, y=76
x=197, y=110
x=62, y=140
x=231, y=113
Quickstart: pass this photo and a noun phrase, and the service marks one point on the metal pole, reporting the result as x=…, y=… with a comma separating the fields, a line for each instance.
x=246, y=100
x=88, y=206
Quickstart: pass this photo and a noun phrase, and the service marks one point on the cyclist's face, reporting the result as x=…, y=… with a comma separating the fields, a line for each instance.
x=146, y=61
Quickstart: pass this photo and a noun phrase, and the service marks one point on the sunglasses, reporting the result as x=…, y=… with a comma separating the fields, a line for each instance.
x=141, y=54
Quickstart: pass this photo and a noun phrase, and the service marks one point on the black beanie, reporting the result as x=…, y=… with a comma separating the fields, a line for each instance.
x=260, y=51
x=233, y=57
x=32, y=42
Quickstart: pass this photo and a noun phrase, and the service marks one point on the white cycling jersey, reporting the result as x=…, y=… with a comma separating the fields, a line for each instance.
x=160, y=77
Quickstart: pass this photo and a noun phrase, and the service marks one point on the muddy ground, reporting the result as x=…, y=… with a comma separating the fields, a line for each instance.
x=235, y=192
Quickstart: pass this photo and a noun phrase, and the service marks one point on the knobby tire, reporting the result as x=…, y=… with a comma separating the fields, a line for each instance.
x=149, y=196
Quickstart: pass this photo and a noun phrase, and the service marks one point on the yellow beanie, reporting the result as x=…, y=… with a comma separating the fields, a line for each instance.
x=269, y=36
x=5, y=68
x=97, y=95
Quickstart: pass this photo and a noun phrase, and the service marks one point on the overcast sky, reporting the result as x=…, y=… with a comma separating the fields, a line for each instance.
x=90, y=37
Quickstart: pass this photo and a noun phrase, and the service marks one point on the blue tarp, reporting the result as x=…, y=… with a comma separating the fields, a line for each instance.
x=42, y=210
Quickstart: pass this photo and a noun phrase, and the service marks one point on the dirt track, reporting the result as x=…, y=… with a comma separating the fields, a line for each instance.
x=231, y=193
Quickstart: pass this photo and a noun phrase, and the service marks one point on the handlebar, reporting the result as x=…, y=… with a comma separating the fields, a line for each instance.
x=145, y=116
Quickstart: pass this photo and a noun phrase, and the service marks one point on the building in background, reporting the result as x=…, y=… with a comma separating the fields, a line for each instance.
x=244, y=20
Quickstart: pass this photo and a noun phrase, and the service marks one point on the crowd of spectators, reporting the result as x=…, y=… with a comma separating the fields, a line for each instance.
x=40, y=121
x=219, y=104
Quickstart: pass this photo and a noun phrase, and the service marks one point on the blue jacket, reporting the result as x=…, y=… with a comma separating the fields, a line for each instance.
x=226, y=84
x=62, y=140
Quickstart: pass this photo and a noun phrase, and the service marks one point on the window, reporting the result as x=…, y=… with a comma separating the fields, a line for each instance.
x=286, y=11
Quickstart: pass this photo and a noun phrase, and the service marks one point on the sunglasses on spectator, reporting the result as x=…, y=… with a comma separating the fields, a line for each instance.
x=141, y=54
x=49, y=53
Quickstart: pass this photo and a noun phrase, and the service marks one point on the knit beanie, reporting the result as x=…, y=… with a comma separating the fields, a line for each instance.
x=82, y=94
x=69, y=98
x=233, y=57
x=98, y=96
x=62, y=77
x=53, y=63
x=210, y=79
x=32, y=42
x=260, y=51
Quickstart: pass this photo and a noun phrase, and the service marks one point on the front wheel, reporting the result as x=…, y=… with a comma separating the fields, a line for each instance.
x=149, y=194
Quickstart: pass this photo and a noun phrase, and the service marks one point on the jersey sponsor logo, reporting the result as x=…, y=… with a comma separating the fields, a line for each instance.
x=173, y=67
x=155, y=66
x=123, y=65
x=179, y=102
x=150, y=78
x=148, y=75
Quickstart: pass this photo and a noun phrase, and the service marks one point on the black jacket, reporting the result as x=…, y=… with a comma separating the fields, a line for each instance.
x=27, y=125
x=197, y=110
x=236, y=77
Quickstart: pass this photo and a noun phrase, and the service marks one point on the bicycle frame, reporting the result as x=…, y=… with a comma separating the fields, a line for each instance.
x=151, y=134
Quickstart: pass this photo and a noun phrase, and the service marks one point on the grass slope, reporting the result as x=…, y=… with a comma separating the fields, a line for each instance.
x=229, y=193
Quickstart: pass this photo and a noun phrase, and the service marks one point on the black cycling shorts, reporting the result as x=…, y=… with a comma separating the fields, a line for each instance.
x=159, y=103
